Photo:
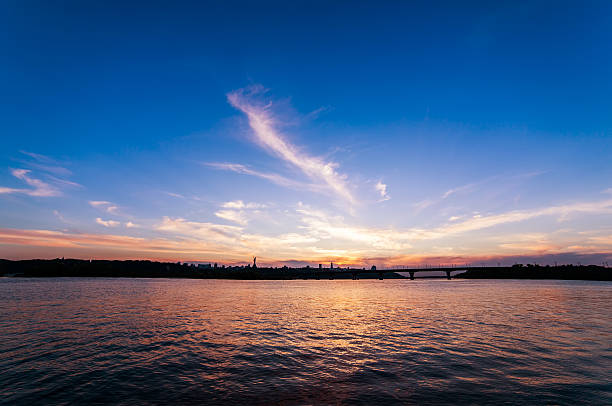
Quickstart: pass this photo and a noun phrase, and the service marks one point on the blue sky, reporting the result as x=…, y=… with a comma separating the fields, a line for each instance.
x=358, y=132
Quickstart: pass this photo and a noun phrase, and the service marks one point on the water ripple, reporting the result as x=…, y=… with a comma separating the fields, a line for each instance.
x=127, y=341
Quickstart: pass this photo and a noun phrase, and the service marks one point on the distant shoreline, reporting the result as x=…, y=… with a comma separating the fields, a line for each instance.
x=584, y=272
x=150, y=269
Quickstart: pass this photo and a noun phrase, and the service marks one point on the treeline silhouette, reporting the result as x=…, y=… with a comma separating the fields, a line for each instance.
x=149, y=269
x=520, y=271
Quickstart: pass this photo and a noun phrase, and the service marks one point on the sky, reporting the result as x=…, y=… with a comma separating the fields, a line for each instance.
x=363, y=133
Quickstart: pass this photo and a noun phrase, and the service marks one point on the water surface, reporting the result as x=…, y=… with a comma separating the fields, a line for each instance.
x=160, y=341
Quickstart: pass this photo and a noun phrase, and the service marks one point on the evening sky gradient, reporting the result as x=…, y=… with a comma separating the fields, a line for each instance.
x=303, y=132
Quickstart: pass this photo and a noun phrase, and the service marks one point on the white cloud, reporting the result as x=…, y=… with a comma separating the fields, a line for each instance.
x=238, y=211
x=103, y=205
x=233, y=240
x=129, y=224
x=382, y=190
x=239, y=204
x=98, y=203
x=264, y=127
x=107, y=223
x=236, y=204
x=206, y=231
x=237, y=216
x=40, y=188
x=324, y=227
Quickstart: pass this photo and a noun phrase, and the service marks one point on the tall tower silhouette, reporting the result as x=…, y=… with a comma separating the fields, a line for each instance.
x=254, y=262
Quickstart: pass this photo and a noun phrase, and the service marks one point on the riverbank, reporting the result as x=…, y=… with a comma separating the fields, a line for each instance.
x=561, y=272
x=150, y=269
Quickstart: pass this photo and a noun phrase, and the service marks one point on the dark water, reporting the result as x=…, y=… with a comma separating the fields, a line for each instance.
x=135, y=341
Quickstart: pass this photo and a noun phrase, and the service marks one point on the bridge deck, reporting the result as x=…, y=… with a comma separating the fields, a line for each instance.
x=329, y=273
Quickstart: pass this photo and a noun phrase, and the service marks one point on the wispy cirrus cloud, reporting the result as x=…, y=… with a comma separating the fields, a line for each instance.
x=506, y=180
x=238, y=211
x=239, y=204
x=39, y=187
x=265, y=128
x=562, y=211
x=272, y=177
x=44, y=163
x=63, y=183
x=236, y=216
x=53, y=174
x=423, y=204
x=105, y=206
x=204, y=230
x=464, y=188
x=177, y=195
x=503, y=179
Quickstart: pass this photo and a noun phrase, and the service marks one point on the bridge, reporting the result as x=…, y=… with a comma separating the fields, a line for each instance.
x=330, y=273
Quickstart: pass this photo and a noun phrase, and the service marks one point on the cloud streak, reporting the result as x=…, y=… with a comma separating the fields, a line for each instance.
x=236, y=216
x=272, y=177
x=107, y=223
x=105, y=206
x=239, y=204
x=480, y=222
x=264, y=127
x=39, y=188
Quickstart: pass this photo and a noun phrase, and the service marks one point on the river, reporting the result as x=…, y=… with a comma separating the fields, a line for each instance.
x=178, y=341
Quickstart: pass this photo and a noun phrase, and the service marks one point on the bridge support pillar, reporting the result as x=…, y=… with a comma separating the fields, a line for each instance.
x=354, y=276
x=448, y=275
x=411, y=275
x=380, y=276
